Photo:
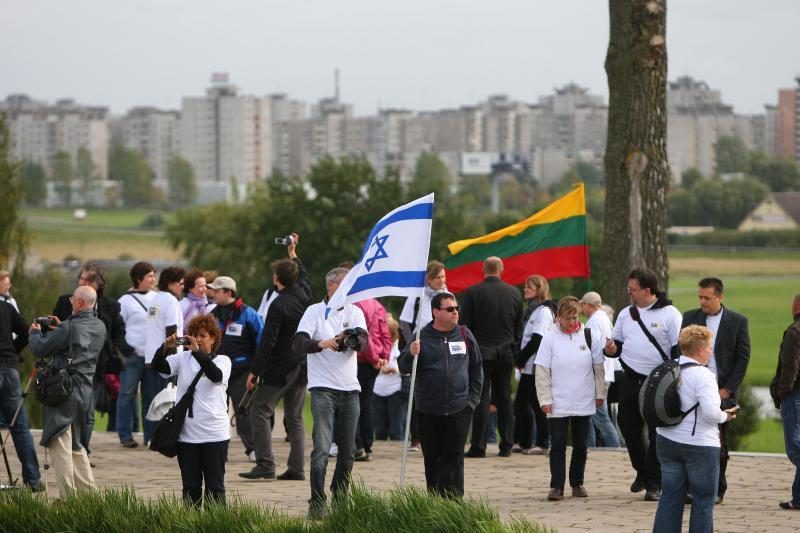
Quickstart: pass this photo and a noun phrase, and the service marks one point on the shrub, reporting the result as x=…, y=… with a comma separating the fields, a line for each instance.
x=746, y=421
x=153, y=221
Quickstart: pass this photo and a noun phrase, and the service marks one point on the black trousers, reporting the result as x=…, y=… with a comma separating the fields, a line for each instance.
x=723, y=458
x=203, y=462
x=526, y=409
x=558, y=453
x=642, y=455
x=443, y=439
x=497, y=387
x=237, y=387
x=365, y=432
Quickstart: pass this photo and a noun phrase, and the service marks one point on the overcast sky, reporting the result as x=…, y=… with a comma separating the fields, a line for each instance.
x=417, y=54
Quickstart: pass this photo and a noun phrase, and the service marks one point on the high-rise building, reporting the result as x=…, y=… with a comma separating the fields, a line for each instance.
x=287, y=134
x=155, y=134
x=786, y=123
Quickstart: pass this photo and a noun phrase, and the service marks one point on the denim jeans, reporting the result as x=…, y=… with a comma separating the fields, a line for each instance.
x=88, y=424
x=328, y=407
x=152, y=384
x=558, y=450
x=389, y=416
x=686, y=468
x=10, y=399
x=126, y=402
x=790, y=415
x=602, y=424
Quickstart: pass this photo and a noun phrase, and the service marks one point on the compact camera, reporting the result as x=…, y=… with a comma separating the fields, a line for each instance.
x=183, y=341
x=285, y=241
x=45, y=322
x=349, y=340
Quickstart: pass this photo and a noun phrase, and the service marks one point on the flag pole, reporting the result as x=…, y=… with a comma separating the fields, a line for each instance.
x=411, y=392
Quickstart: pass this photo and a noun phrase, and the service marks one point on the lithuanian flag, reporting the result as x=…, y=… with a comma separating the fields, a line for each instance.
x=551, y=242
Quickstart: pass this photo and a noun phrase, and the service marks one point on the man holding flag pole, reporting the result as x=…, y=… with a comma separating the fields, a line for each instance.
x=392, y=263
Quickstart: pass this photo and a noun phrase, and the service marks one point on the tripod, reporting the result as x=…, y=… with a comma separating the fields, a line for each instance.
x=11, y=480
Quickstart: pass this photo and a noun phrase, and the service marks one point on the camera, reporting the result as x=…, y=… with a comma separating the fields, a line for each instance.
x=285, y=241
x=45, y=322
x=349, y=340
x=183, y=341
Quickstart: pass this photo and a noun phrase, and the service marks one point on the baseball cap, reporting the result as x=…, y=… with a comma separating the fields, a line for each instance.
x=223, y=282
x=592, y=298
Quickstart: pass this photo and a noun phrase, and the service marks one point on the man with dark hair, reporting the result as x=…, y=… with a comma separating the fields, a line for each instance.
x=646, y=333
x=5, y=289
x=303, y=282
x=492, y=310
x=281, y=374
x=729, y=360
x=109, y=362
x=241, y=329
x=448, y=388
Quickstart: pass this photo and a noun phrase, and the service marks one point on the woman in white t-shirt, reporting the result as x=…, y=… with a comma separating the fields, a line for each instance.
x=570, y=382
x=388, y=406
x=204, y=438
x=689, y=452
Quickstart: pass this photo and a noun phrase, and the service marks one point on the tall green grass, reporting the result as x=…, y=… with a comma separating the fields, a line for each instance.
x=112, y=510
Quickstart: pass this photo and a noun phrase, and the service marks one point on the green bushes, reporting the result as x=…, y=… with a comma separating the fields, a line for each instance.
x=408, y=509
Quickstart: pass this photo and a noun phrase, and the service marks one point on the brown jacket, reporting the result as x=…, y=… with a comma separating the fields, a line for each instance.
x=787, y=378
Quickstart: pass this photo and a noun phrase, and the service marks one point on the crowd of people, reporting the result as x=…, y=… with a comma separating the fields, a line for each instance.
x=356, y=361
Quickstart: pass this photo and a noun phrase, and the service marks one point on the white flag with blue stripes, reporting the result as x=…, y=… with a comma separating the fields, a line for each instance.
x=394, y=258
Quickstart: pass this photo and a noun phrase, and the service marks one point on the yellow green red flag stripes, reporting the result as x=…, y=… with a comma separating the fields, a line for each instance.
x=551, y=242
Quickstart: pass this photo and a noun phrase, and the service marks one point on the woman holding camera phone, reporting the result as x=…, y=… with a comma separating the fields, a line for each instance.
x=203, y=442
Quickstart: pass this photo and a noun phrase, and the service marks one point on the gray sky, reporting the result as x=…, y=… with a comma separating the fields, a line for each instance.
x=418, y=54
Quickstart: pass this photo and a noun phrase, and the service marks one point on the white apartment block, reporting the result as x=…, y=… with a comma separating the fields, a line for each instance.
x=287, y=129
x=39, y=131
x=155, y=134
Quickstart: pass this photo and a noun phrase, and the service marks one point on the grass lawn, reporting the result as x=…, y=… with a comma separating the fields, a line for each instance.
x=767, y=438
x=95, y=218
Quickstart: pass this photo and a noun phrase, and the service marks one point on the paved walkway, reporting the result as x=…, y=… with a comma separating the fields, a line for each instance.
x=515, y=485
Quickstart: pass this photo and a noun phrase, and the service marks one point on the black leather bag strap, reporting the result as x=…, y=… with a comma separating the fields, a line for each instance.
x=138, y=301
x=190, y=391
x=634, y=311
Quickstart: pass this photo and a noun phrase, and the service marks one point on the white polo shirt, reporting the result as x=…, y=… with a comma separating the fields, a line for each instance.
x=600, y=324
x=538, y=323
x=571, y=363
x=328, y=368
x=134, y=310
x=163, y=311
x=638, y=352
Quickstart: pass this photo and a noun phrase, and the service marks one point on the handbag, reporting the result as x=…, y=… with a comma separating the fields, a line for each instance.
x=52, y=384
x=102, y=397
x=168, y=430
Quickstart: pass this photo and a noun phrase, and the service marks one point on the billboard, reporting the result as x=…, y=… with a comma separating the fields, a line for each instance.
x=477, y=163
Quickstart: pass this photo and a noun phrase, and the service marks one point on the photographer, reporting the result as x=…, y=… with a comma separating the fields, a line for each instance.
x=76, y=344
x=303, y=283
x=203, y=442
x=331, y=347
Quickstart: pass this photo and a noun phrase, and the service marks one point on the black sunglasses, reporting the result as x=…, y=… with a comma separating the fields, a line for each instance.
x=449, y=309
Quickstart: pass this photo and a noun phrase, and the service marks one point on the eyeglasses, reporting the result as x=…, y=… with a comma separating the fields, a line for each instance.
x=449, y=309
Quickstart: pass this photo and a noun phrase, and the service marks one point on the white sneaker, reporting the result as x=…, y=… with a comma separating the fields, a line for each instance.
x=252, y=457
x=334, y=451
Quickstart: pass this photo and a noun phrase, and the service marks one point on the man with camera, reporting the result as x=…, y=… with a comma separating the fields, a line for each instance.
x=290, y=241
x=331, y=345
x=74, y=344
x=281, y=374
x=13, y=338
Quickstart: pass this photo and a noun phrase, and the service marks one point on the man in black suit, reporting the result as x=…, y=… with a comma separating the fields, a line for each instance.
x=730, y=358
x=492, y=310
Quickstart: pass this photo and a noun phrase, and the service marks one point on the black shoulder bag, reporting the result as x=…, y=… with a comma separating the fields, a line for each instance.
x=53, y=384
x=165, y=436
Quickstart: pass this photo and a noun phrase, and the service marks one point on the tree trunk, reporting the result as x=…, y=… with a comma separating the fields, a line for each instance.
x=636, y=165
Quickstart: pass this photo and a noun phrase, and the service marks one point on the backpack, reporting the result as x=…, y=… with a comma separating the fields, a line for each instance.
x=659, y=400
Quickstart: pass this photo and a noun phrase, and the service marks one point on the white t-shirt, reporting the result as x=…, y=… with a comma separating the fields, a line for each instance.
x=638, y=352
x=163, y=311
x=571, y=365
x=328, y=368
x=539, y=322
x=209, y=422
x=387, y=384
x=269, y=296
x=600, y=324
x=712, y=323
x=134, y=310
x=698, y=384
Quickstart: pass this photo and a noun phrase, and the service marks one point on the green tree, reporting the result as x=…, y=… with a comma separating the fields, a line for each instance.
x=14, y=237
x=62, y=174
x=732, y=155
x=779, y=174
x=430, y=176
x=691, y=176
x=86, y=171
x=34, y=182
x=130, y=169
x=182, y=184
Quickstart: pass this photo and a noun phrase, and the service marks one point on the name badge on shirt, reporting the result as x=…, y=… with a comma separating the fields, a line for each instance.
x=152, y=311
x=654, y=325
x=457, y=348
x=583, y=348
x=234, y=329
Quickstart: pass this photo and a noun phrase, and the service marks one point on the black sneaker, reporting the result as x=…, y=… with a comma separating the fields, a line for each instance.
x=259, y=472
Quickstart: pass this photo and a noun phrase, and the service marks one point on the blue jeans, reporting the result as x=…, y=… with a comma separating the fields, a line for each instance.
x=329, y=406
x=686, y=468
x=10, y=399
x=126, y=402
x=152, y=384
x=601, y=423
x=790, y=415
x=389, y=416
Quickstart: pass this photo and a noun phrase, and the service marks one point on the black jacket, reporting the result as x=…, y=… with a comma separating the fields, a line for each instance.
x=446, y=383
x=11, y=322
x=731, y=346
x=275, y=357
x=107, y=310
x=787, y=375
x=492, y=310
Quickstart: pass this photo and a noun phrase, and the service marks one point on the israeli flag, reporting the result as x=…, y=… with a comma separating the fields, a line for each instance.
x=394, y=258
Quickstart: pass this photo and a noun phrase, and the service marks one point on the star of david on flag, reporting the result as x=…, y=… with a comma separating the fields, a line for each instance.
x=394, y=257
